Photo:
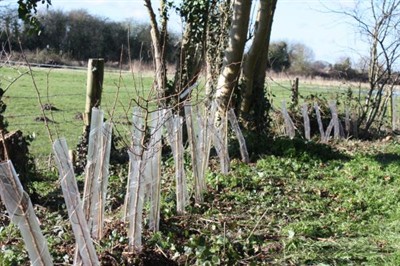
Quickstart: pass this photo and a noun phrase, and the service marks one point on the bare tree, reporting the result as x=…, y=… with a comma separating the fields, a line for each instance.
x=378, y=22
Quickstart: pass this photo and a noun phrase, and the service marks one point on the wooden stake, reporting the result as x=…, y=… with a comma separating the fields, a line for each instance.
x=94, y=87
x=295, y=92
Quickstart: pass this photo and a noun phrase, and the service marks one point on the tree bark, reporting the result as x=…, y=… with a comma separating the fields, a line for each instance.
x=233, y=56
x=255, y=62
x=218, y=24
x=158, y=41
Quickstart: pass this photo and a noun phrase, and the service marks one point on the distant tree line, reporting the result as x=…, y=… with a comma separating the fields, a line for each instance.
x=78, y=35
x=298, y=59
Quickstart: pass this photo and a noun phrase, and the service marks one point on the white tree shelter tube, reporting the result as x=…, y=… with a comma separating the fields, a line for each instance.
x=195, y=135
x=74, y=205
x=153, y=169
x=91, y=189
x=136, y=184
x=173, y=124
x=306, y=119
x=242, y=142
x=20, y=210
x=289, y=126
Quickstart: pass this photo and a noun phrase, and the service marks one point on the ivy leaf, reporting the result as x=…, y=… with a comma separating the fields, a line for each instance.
x=27, y=9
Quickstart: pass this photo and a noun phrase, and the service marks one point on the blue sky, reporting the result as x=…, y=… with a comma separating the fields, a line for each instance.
x=330, y=35
x=304, y=21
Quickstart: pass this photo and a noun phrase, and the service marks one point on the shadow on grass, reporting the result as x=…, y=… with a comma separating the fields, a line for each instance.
x=282, y=146
x=387, y=158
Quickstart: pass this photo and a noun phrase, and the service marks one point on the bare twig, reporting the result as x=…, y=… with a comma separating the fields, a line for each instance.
x=39, y=98
x=255, y=227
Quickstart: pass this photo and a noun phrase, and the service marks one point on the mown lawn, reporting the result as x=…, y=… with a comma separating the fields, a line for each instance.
x=297, y=204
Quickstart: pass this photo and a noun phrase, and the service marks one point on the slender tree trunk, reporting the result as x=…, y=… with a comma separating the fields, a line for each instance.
x=233, y=56
x=158, y=40
x=219, y=14
x=261, y=103
x=372, y=78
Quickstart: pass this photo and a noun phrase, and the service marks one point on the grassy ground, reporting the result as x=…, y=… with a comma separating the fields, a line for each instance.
x=298, y=204
x=66, y=91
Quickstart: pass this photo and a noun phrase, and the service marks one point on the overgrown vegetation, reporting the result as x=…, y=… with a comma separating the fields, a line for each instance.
x=297, y=203
x=306, y=204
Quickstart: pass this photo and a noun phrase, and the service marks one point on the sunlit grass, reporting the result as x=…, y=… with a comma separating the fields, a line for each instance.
x=335, y=212
x=66, y=91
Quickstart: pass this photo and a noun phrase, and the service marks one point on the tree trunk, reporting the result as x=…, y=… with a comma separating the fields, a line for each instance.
x=255, y=63
x=218, y=24
x=233, y=56
x=158, y=41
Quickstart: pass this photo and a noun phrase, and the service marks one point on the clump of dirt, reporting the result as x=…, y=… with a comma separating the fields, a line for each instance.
x=78, y=116
x=49, y=107
x=44, y=119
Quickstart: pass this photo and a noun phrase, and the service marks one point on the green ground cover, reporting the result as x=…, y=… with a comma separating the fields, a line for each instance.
x=300, y=204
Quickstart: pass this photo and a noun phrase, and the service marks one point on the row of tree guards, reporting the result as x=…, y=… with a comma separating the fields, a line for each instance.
x=339, y=132
x=143, y=187
x=87, y=213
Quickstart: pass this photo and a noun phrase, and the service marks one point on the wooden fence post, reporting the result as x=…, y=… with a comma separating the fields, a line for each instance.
x=295, y=92
x=94, y=87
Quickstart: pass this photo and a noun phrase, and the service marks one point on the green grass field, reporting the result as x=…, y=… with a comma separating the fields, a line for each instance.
x=280, y=89
x=65, y=90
